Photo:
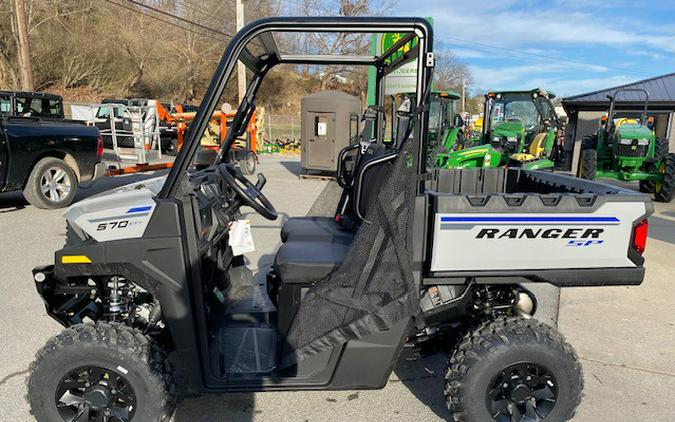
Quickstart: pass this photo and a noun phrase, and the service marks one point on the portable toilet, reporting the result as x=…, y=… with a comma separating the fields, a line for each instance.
x=329, y=122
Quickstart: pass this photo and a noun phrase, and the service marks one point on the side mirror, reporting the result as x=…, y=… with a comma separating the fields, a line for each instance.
x=457, y=120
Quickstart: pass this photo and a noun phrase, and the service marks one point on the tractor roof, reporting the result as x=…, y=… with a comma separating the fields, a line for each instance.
x=539, y=91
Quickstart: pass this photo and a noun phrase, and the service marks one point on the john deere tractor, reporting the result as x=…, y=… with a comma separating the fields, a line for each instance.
x=520, y=129
x=627, y=149
x=446, y=128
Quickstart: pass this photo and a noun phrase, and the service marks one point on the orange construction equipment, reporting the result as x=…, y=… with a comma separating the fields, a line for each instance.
x=212, y=139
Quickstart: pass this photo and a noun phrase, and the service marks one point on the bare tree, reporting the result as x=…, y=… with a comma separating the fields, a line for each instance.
x=450, y=72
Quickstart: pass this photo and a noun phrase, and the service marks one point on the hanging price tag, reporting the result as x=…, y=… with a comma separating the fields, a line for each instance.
x=241, y=239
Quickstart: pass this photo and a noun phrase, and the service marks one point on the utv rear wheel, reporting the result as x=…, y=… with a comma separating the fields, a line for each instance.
x=51, y=184
x=665, y=189
x=589, y=164
x=101, y=372
x=513, y=370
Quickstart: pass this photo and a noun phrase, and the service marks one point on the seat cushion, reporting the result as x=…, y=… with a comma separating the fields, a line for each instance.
x=315, y=229
x=308, y=262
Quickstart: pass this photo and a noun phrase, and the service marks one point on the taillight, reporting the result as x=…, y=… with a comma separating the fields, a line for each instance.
x=640, y=236
x=99, y=146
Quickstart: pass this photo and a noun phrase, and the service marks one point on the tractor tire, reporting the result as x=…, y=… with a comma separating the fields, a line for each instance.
x=661, y=149
x=589, y=164
x=647, y=186
x=248, y=163
x=51, y=184
x=665, y=189
x=101, y=372
x=513, y=369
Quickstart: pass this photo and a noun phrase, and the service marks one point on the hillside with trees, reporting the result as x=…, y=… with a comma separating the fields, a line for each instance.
x=86, y=50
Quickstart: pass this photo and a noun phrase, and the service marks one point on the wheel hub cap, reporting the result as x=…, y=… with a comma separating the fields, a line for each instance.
x=95, y=394
x=98, y=397
x=522, y=392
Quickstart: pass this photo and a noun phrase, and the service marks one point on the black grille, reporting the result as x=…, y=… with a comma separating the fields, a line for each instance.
x=628, y=151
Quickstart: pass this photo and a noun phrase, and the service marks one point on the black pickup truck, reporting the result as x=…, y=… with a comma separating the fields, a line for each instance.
x=43, y=154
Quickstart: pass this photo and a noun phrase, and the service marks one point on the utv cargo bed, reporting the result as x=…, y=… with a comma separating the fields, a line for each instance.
x=511, y=225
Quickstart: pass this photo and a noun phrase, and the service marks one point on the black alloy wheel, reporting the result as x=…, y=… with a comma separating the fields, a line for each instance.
x=523, y=392
x=91, y=393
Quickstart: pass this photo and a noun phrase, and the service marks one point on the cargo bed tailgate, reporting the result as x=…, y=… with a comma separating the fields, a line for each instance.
x=569, y=234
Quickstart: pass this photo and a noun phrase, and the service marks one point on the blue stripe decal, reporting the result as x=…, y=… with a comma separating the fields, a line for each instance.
x=139, y=209
x=529, y=220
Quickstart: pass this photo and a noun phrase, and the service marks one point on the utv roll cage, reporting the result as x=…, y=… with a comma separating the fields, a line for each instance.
x=268, y=55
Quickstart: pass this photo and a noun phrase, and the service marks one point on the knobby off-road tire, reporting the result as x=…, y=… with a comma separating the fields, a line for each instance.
x=118, y=352
x=482, y=366
x=666, y=188
x=51, y=184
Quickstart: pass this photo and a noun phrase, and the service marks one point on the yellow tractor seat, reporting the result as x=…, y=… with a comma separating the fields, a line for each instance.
x=626, y=121
x=535, y=150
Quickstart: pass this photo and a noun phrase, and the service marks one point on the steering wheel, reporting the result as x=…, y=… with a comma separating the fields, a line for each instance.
x=249, y=193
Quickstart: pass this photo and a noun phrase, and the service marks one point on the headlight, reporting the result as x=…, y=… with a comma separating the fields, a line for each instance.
x=511, y=139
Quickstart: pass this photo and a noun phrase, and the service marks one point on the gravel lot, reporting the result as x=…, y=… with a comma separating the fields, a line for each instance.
x=625, y=336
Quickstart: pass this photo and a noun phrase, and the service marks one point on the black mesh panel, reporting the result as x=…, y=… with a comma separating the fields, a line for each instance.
x=374, y=288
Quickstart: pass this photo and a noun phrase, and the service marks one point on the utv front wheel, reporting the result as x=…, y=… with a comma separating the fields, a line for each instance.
x=101, y=372
x=513, y=370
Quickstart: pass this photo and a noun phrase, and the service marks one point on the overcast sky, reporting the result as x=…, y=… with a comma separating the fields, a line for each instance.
x=569, y=47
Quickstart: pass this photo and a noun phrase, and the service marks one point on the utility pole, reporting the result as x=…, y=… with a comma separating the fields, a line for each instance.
x=25, y=65
x=241, y=69
x=463, y=96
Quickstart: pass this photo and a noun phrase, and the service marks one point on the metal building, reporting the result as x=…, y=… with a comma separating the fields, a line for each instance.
x=329, y=122
x=585, y=110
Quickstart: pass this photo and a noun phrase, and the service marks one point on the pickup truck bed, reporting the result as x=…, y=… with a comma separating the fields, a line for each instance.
x=513, y=225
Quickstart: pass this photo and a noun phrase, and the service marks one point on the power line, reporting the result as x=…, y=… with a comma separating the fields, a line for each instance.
x=179, y=18
x=198, y=25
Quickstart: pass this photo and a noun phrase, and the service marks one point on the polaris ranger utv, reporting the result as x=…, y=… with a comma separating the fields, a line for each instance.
x=627, y=149
x=521, y=129
x=154, y=293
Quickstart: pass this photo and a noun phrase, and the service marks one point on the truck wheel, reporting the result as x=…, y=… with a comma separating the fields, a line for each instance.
x=51, y=184
x=589, y=164
x=101, y=372
x=512, y=369
x=666, y=187
x=248, y=164
x=172, y=148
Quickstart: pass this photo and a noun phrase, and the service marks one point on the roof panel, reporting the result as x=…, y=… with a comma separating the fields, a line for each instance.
x=660, y=88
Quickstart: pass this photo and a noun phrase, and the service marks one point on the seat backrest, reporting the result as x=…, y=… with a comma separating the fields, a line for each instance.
x=376, y=164
x=537, y=144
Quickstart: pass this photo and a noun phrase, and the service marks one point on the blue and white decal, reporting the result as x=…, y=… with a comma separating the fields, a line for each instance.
x=480, y=241
x=122, y=213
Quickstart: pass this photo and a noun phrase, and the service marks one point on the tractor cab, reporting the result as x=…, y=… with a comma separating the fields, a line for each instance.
x=446, y=127
x=625, y=148
x=520, y=129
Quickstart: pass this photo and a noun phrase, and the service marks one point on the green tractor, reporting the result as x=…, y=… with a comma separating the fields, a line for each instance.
x=627, y=149
x=520, y=129
x=446, y=128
